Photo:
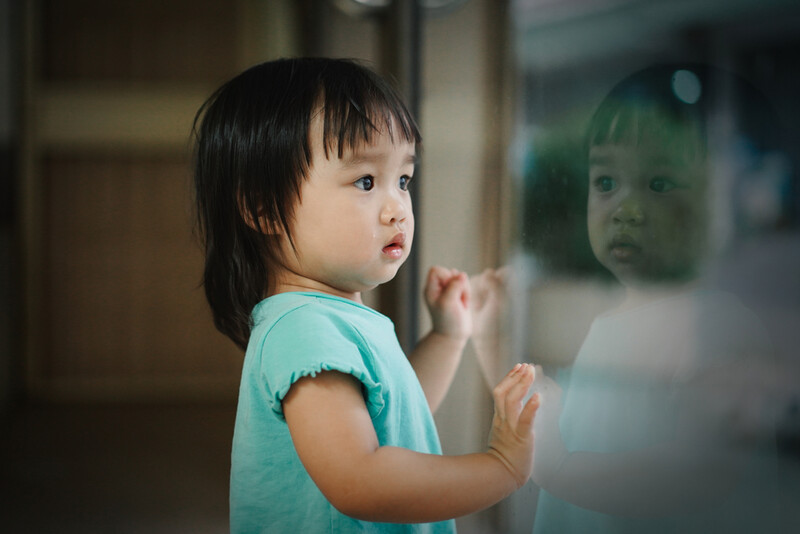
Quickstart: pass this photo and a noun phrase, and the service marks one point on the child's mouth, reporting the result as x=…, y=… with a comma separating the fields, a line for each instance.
x=624, y=248
x=625, y=252
x=395, y=249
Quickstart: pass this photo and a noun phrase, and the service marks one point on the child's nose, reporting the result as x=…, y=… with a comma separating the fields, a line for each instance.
x=394, y=210
x=629, y=211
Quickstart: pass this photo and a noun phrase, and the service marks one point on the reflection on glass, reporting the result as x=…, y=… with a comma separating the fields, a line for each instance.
x=654, y=431
x=660, y=263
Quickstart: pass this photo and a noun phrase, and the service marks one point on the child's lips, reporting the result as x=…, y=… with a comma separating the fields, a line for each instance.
x=395, y=247
x=624, y=248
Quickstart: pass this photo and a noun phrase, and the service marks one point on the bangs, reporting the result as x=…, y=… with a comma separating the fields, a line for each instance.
x=637, y=125
x=354, y=112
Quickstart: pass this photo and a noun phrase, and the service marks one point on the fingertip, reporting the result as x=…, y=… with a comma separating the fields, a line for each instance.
x=535, y=401
x=453, y=287
x=529, y=410
x=437, y=272
x=517, y=371
x=530, y=370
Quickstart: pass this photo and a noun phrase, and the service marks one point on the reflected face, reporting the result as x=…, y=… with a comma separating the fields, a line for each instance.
x=646, y=213
x=353, y=226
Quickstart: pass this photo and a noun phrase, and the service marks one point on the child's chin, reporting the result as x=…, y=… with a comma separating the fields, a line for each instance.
x=379, y=281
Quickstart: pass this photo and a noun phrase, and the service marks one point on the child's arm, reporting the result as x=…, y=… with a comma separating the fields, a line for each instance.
x=335, y=439
x=489, y=304
x=436, y=357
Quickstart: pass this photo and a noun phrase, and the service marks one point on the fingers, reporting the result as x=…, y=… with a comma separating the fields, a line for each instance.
x=512, y=428
x=433, y=285
x=447, y=285
x=488, y=281
x=501, y=390
x=526, y=418
x=495, y=279
x=457, y=289
x=509, y=393
x=513, y=400
x=503, y=275
x=489, y=290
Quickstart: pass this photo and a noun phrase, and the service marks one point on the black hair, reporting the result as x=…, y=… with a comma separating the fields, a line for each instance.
x=648, y=107
x=252, y=153
x=674, y=104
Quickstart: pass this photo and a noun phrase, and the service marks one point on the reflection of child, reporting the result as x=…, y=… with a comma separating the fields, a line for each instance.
x=302, y=174
x=655, y=432
x=656, y=428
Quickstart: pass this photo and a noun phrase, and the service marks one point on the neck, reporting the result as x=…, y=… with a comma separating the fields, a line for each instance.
x=311, y=286
x=643, y=294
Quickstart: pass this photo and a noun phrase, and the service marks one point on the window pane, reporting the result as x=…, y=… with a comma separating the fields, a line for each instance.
x=656, y=153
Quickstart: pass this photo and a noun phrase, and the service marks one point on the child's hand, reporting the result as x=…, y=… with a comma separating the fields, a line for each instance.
x=489, y=299
x=447, y=294
x=512, y=426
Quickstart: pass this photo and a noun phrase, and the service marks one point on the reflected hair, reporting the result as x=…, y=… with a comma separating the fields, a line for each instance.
x=676, y=105
x=646, y=108
x=251, y=154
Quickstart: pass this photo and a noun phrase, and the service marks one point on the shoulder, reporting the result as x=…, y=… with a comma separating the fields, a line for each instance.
x=293, y=323
x=276, y=308
x=297, y=318
x=297, y=335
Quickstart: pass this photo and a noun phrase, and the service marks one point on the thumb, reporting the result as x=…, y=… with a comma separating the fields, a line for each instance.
x=526, y=418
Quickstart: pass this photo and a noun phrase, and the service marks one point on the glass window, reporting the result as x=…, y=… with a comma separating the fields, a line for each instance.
x=656, y=153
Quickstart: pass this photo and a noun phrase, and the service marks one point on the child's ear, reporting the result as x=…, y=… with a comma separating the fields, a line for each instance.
x=262, y=224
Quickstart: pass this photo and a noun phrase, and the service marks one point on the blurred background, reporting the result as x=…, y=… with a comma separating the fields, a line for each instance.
x=117, y=395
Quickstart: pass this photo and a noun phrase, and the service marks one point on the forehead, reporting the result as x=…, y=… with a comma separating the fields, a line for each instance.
x=373, y=142
x=645, y=154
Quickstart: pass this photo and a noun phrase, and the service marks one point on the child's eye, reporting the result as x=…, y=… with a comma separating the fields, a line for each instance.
x=662, y=185
x=605, y=184
x=404, y=181
x=365, y=182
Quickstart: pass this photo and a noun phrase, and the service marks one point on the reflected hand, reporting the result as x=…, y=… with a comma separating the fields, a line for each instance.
x=489, y=306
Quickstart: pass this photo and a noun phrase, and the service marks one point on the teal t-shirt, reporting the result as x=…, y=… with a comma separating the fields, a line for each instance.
x=302, y=334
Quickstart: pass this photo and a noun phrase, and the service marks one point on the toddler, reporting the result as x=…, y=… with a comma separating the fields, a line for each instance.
x=301, y=180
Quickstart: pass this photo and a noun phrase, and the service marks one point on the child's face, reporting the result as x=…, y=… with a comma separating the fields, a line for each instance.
x=354, y=225
x=646, y=213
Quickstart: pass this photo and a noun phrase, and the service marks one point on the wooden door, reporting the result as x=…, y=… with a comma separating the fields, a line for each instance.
x=114, y=310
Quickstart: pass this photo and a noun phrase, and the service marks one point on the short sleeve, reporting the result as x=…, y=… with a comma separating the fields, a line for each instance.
x=309, y=340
